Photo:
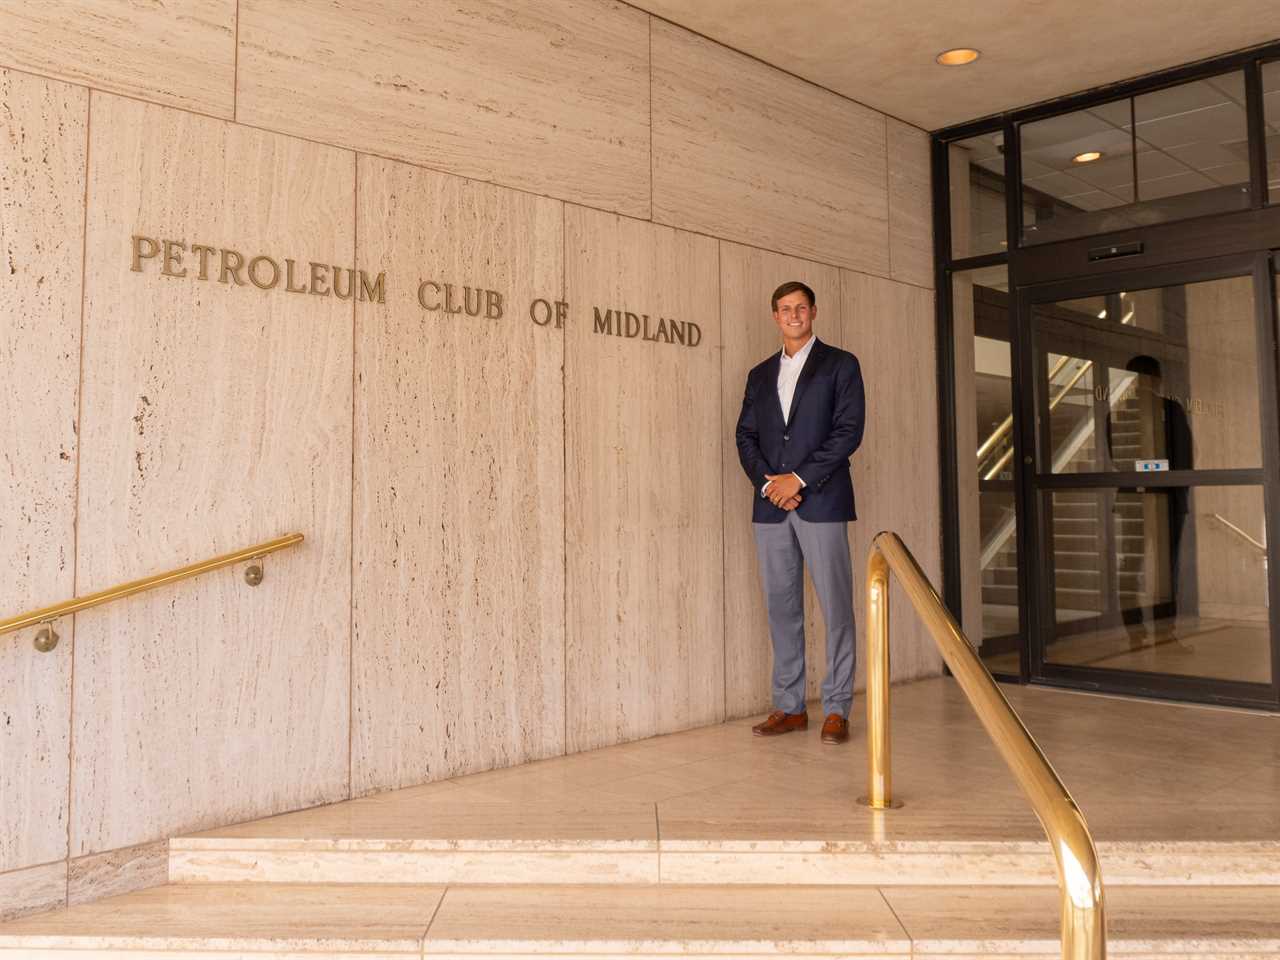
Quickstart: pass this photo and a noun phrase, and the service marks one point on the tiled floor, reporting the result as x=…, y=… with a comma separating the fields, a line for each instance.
x=713, y=842
x=1185, y=646
x=1140, y=770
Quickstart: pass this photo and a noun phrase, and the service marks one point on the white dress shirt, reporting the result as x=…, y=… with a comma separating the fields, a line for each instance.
x=788, y=375
x=789, y=372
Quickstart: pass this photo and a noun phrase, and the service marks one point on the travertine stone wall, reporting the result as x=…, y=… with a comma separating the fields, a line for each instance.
x=551, y=97
x=642, y=493
x=458, y=641
x=42, y=161
x=890, y=327
x=182, y=55
x=726, y=126
x=523, y=538
x=214, y=415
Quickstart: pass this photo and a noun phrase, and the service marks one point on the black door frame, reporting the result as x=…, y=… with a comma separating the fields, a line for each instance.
x=1187, y=241
x=1034, y=536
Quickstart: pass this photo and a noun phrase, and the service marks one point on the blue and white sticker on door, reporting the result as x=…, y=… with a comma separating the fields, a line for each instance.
x=1146, y=466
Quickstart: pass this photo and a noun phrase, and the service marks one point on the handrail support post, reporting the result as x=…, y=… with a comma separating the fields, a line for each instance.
x=879, y=763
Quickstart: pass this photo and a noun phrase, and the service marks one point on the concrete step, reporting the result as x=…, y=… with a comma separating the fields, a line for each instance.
x=796, y=920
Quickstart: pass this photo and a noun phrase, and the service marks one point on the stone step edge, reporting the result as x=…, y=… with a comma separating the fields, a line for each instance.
x=1184, y=865
x=110, y=948
x=553, y=845
x=995, y=941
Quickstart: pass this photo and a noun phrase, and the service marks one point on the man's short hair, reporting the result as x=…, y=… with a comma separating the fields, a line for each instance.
x=791, y=286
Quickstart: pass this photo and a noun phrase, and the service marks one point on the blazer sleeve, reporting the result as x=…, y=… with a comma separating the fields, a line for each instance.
x=847, y=422
x=748, y=438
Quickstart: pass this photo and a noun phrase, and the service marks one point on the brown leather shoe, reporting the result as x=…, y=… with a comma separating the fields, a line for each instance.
x=835, y=729
x=779, y=723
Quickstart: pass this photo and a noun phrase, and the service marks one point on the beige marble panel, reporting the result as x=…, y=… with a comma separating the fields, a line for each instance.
x=404, y=819
x=33, y=890
x=237, y=920
x=1191, y=920
x=459, y=509
x=890, y=327
x=463, y=864
x=178, y=54
x=645, y=625
x=748, y=277
x=117, y=871
x=747, y=153
x=665, y=920
x=550, y=97
x=910, y=204
x=42, y=155
x=215, y=416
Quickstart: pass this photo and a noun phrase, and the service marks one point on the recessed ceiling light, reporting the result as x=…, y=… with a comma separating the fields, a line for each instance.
x=1087, y=157
x=957, y=57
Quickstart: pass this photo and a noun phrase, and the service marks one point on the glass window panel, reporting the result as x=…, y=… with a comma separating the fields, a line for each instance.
x=984, y=428
x=1067, y=197
x=1167, y=155
x=1271, y=113
x=1167, y=581
x=1192, y=149
x=1072, y=415
x=977, y=196
x=1184, y=395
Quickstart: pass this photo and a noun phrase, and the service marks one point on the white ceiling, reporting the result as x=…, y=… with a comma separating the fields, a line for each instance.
x=881, y=52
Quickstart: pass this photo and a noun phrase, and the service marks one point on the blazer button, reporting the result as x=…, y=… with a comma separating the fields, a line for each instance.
x=786, y=437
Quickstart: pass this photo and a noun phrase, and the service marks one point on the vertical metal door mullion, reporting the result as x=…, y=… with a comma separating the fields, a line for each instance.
x=1267, y=316
x=945, y=359
x=1034, y=567
x=1020, y=384
x=1108, y=575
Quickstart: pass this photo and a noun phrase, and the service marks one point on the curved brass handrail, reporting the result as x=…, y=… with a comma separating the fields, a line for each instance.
x=46, y=614
x=1079, y=873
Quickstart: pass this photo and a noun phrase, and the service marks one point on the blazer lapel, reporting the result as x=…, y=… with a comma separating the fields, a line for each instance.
x=806, y=374
x=771, y=378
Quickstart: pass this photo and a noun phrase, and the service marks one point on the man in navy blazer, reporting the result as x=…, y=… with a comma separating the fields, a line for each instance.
x=802, y=419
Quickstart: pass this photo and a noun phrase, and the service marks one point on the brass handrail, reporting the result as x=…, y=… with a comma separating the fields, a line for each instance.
x=1000, y=432
x=1053, y=405
x=1079, y=873
x=1006, y=424
x=74, y=605
x=1256, y=544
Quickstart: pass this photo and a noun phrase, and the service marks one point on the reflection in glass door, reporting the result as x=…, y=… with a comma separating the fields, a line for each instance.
x=987, y=486
x=1151, y=524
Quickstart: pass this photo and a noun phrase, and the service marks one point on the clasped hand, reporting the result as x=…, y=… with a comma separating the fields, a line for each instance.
x=783, y=490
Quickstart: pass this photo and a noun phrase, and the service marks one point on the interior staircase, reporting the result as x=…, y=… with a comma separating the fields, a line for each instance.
x=1078, y=540
x=714, y=843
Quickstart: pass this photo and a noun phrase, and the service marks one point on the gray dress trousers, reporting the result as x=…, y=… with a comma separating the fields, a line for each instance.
x=784, y=549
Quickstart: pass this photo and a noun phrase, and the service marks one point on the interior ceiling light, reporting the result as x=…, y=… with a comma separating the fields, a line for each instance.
x=1087, y=157
x=958, y=57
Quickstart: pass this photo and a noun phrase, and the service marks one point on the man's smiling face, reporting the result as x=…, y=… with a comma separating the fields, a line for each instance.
x=794, y=317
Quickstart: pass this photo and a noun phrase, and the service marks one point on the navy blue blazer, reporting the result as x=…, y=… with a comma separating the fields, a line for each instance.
x=828, y=412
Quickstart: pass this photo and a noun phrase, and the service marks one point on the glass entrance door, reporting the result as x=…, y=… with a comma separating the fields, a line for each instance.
x=1148, y=428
